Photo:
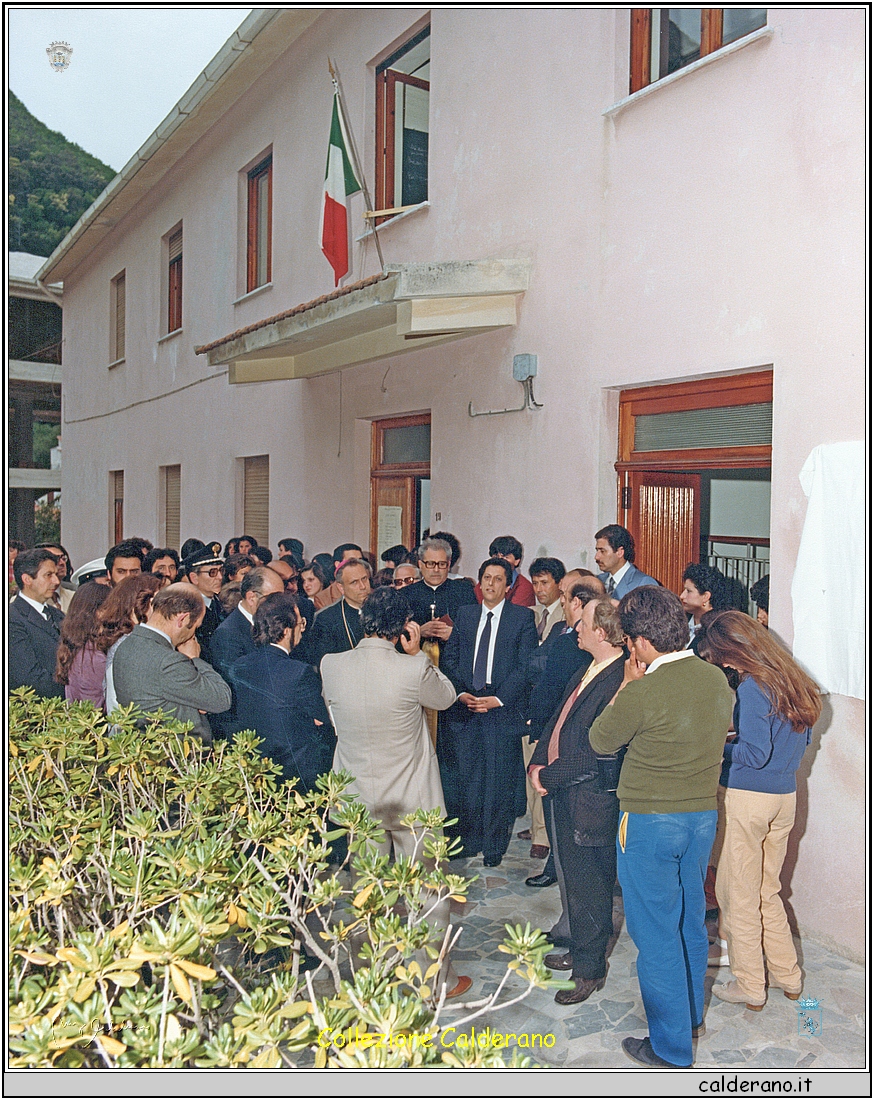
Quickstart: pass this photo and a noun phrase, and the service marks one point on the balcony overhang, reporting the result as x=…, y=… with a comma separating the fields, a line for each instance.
x=410, y=306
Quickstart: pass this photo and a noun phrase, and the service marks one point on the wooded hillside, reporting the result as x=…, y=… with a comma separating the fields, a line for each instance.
x=51, y=182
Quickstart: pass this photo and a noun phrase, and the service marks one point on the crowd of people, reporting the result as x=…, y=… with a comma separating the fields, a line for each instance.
x=622, y=719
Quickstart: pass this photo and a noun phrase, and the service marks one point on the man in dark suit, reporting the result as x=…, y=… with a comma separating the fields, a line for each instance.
x=203, y=569
x=280, y=697
x=585, y=806
x=159, y=665
x=338, y=628
x=550, y=678
x=34, y=625
x=486, y=657
x=614, y=553
x=233, y=639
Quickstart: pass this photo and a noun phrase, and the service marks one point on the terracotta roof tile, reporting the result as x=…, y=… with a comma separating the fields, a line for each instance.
x=339, y=293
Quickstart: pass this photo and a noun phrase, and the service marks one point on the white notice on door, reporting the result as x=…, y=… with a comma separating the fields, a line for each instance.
x=388, y=527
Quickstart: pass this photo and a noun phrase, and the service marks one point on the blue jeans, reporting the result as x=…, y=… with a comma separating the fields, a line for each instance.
x=661, y=872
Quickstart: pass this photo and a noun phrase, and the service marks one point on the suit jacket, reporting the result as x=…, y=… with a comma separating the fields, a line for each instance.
x=335, y=630
x=594, y=812
x=280, y=699
x=515, y=642
x=33, y=649
x=375, y=696
x=232, y=640
x=634, y=578
x=563, y=658
x=149, y=672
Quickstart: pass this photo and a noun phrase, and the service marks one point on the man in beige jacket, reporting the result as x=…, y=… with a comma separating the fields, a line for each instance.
x=375, y=697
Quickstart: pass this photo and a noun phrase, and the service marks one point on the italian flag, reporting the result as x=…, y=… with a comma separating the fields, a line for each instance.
x=340, y=183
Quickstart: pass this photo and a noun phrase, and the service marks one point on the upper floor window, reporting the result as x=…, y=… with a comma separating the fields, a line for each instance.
x=402, y=92
x=117, y=318
x=259, y=224
x=174, y=280
x=664, y=40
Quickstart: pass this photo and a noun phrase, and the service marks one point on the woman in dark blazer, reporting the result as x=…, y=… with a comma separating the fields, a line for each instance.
x=280, y=698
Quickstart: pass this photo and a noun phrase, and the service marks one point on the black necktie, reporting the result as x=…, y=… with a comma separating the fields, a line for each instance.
x=610, y=585
x=481, y=662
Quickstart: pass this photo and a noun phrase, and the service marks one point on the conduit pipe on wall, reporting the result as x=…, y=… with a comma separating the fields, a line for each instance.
x=524, y=370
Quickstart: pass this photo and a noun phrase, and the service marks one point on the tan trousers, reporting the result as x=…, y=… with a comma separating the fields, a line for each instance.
x=757, y=827
x=405, y=845
x=539, y=834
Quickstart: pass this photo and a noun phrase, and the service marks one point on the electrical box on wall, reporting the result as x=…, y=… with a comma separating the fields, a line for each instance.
x=524, y=367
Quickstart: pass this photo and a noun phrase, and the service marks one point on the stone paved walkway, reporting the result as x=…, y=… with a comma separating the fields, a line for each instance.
x=588, y=1035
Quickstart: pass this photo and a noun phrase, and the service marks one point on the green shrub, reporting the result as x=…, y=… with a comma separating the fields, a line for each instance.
x=165, y=898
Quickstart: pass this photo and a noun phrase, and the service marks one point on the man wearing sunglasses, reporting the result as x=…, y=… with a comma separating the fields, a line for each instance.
x=405, y=575
x=204, y=570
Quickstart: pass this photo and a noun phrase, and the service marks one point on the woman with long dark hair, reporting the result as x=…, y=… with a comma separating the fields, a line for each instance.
x=80, y=664
x=316, y=584
x=128, y=603
x=777, y=703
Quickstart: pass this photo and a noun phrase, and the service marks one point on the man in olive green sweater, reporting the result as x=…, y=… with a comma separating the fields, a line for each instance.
x=673, y=711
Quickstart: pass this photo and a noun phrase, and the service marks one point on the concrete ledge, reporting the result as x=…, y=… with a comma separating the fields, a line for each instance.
x=21, y=371
x=35, y=479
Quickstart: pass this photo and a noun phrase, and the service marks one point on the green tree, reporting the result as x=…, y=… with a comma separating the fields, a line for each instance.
x=51, y=182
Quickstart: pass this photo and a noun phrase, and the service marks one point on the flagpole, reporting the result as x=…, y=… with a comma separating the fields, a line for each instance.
x=357, y=165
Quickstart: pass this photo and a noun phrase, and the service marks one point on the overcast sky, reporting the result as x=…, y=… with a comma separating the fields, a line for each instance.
x=129, y=68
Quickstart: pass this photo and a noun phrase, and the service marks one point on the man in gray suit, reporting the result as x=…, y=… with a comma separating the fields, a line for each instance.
x=614, y=553
x=375, y=697
x=158, y=666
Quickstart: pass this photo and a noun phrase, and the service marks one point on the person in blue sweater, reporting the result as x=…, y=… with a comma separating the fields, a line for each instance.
x=777, y=703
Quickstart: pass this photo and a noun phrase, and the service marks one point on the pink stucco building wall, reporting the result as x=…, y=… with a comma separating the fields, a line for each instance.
x=712, y=226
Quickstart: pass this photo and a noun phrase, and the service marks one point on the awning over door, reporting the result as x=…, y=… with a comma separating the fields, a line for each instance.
x=408, y=307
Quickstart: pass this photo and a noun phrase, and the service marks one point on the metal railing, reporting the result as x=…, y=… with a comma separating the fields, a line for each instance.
x=741, y=569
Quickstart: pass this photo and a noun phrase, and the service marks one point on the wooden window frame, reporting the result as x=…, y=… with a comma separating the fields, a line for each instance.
x=708, y=393
x=640, y=74
x=379, y=468
x=254, y=243
x=386, y=81
x=118, y=317
x=174, y=282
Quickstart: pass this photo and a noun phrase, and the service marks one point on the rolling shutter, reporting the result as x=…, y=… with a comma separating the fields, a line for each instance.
x=256, y=498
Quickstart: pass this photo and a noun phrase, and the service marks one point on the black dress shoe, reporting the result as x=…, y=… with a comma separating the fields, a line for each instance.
x=560, y=962
x=492, y=861
x=640, y=1051
x=582, y=990
x=541, y=880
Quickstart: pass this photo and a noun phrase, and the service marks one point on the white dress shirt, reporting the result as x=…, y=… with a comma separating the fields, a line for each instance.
x=496, y=618
x=39, y=608
x=619, y=574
